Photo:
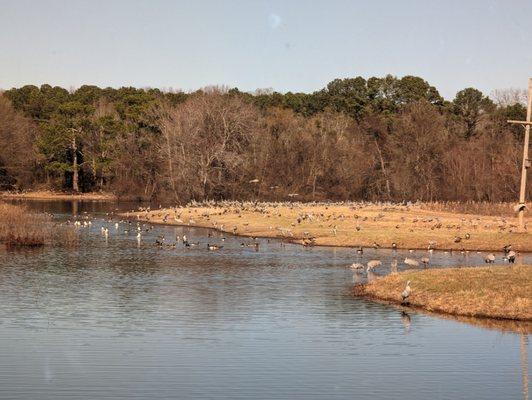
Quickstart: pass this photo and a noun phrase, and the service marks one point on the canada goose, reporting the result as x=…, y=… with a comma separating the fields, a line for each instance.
x=360, y=251
x=489, y=259
x=406, y=293
x=412, y=262
x=425, y=261
x=213, y=247
x=507, y=248
x=511, y=256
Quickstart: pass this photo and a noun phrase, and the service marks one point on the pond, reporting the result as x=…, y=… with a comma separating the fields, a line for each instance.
x=118, y=319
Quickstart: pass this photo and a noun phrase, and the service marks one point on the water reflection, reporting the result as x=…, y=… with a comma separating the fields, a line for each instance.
x=117, y=318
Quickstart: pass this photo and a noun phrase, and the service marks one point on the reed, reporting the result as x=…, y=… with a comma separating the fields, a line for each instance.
x=22, y=227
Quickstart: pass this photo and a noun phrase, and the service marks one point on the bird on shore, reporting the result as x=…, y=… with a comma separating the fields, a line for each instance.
x=406, y=293
x=511, y=256
x=490, y=258
x=411, y=262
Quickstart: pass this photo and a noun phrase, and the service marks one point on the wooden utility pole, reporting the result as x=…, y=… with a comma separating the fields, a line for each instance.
x=526, y=161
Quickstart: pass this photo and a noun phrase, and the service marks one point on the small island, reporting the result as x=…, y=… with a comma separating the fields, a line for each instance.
x=501, y=292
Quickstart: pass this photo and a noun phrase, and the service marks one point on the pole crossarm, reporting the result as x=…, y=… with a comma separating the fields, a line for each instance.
x=525, y=123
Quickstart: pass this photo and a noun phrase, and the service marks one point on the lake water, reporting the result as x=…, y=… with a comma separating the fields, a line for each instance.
x=113, y=319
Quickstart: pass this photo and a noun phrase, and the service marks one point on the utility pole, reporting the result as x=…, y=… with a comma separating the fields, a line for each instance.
x=526, y=161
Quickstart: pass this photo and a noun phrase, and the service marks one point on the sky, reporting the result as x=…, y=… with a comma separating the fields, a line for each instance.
x=286, y=45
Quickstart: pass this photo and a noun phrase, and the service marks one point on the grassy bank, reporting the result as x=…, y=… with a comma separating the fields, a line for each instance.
x=353, y=224
x=21, y=227
x=481, y=292
x=46, y=195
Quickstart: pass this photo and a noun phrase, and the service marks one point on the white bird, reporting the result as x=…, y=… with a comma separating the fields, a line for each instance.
x=393, y=267
x=411, y=262
x=373, y=264
x=357, y=266
x=490, y=258
x=406, y=293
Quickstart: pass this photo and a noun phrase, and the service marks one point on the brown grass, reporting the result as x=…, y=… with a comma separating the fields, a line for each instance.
x=21, y=227
x=49, y=195
x=352, y=224
x=18, y=227
x=483, y=292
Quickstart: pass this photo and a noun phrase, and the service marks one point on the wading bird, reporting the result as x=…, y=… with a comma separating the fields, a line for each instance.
x=490, y=258
x=373, y=264
x=406, y=293
x=357, y=266
x=412, y=262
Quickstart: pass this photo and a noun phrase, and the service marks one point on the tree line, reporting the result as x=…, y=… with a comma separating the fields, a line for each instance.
x=383, y=138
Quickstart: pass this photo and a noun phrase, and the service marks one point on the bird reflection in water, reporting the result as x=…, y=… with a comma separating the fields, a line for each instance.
x=405, y=319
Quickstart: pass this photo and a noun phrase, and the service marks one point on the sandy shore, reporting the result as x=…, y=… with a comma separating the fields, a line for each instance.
x=502, y=292
x=50, y=196
x=408, y=227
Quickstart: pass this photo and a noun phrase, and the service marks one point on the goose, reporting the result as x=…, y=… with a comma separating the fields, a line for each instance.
x=511, y=256
x=489, y=259
x=213, y=247
x=425, y=261
x=360, y=251
x=406, y=293
x=394, y=246
x=412, y=262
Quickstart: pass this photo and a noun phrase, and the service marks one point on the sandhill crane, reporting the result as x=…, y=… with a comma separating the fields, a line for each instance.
x=490, y=258
x=357, y=266
x=393, y=267
x=411, y=262
x=373, y=264
x=406, y=293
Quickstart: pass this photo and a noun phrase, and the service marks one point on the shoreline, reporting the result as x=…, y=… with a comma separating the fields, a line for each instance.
x=338, y=225
x=46, y=195
x=499, y=293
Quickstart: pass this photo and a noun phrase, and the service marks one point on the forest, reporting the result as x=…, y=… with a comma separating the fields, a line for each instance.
x=387, y=139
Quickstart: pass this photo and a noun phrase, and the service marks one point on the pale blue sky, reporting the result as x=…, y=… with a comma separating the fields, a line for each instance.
x=284, y=45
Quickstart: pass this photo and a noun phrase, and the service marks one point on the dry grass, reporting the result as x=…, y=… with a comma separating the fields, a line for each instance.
x=473, y=207
x=20, y=227
x=49, y=195
x=487, y=292
x=352, y=224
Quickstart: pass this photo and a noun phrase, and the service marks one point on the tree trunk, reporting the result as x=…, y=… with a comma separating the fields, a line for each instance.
x=387, y=180
x=75, y=186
